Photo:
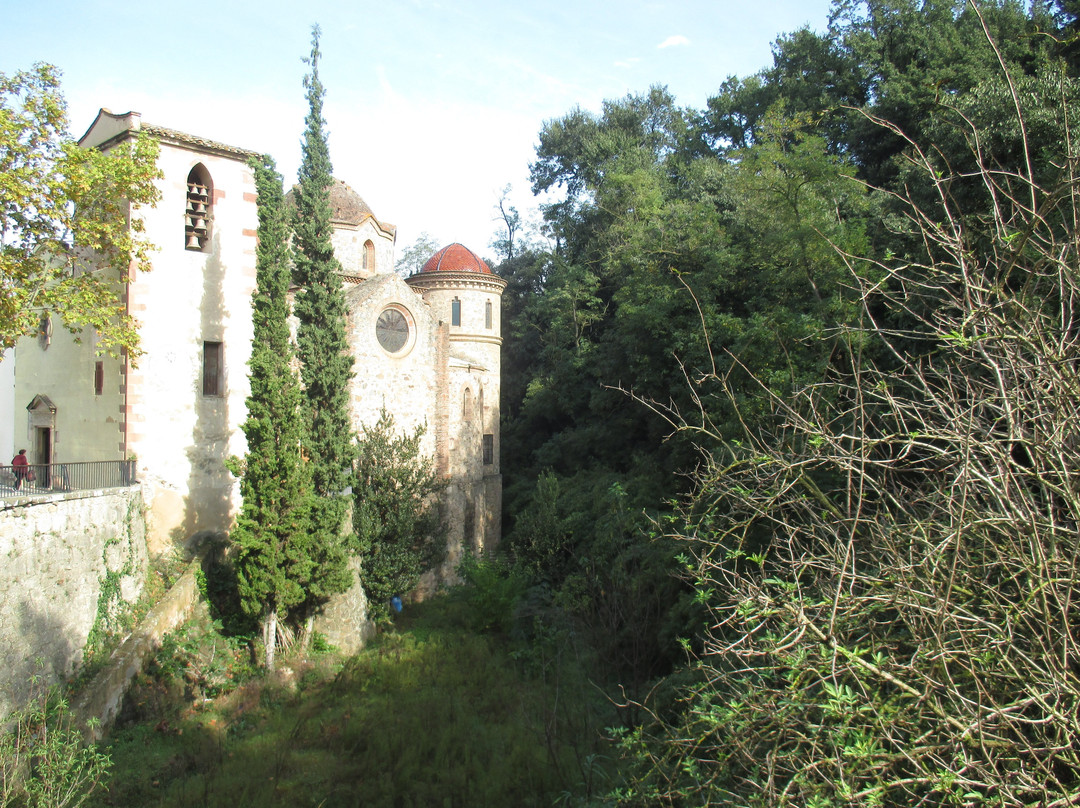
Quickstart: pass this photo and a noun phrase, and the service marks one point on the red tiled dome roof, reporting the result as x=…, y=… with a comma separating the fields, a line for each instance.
x=455, y=258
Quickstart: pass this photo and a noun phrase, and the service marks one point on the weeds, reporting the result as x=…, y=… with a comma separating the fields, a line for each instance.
x=44, y=761
x=429, y=714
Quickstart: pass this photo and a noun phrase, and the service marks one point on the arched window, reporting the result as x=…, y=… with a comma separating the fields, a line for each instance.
x=487, y=314
x=467, y=408
x=455, y=312
x=198, y=213
x=369, y=256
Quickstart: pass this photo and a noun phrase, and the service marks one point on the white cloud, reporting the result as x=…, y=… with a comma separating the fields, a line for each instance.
x=627, y=63
x=674, y=41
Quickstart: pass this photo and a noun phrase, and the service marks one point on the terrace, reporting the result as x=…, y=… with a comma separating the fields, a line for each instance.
x=47, y=479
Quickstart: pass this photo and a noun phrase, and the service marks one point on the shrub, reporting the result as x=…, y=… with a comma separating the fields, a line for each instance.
x=44, y=760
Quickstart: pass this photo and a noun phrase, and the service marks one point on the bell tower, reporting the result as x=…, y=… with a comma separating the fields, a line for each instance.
x=464, y=296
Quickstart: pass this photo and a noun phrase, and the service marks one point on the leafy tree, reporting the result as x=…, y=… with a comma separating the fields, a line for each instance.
x=395, y=516
x=892, y=59
x=661, y=240
x=69, y=231
x=325, y=361
x=273, y=560
x=413, y=257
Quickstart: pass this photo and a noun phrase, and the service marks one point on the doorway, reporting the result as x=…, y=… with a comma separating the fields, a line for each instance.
x=42, y=445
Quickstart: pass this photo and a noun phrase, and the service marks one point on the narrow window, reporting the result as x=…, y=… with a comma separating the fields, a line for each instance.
x=489, y=449
x=487, y=314
x=369, y=256
x=469, y=526
x=99, y=377
x=455, y=312
x=197, y=215
x=45, y=331
x=212, y=369
x=467, y=407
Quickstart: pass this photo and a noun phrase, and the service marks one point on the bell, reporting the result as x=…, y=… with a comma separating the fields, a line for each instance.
x=200, y=224
x=193, y=242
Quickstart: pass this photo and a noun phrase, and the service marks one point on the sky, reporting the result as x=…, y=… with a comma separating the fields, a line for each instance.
x=432, y=106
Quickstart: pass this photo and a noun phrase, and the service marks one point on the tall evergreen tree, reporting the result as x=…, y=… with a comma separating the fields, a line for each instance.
x=273, y=561
x=326, y=364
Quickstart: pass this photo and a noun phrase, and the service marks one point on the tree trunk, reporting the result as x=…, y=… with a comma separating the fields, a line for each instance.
x=305, y=639
x=270, y=639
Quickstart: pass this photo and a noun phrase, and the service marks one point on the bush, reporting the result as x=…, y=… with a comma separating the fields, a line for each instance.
x=492, y=588
x=398, y=529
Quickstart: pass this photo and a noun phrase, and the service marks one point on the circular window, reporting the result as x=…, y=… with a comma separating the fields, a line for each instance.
x=392, y=329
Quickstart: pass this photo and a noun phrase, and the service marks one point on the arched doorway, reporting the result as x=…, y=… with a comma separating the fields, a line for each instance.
x=42, y=426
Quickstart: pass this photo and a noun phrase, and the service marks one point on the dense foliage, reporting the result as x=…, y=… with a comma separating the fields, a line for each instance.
x=891, y=579
x=831, y=316
x=70, y=234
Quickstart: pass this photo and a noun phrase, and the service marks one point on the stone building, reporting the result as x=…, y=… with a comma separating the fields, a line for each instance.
x=426, y=348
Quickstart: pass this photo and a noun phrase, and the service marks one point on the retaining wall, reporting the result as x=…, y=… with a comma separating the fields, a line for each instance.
x=65, y=565
x=101, y=699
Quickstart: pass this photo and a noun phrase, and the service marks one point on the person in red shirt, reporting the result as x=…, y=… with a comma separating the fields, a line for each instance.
x=21, y=466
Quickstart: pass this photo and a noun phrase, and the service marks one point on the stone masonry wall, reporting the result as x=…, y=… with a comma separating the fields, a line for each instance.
x=62, y=562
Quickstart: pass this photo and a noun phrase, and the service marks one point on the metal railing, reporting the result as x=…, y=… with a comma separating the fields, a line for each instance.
x=54, y=478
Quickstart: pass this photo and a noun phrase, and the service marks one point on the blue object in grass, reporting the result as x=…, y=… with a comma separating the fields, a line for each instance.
x=395, y=603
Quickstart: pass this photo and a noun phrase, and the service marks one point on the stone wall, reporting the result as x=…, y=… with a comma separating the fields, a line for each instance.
x=101, y=699
x=67, y=562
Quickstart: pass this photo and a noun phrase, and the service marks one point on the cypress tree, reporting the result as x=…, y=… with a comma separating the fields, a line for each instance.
x=326, y=364
x=273, y=561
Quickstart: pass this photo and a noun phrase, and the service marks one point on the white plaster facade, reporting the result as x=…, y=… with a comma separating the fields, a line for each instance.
x=7, y=406
x=158, y=410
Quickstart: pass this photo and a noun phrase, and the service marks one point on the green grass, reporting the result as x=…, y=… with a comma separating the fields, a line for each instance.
x=430, y=714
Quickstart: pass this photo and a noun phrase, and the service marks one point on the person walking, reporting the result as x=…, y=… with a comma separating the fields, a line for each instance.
x=21, y=468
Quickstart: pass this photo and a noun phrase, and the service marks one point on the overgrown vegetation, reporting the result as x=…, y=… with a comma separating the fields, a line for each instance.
x=891, y=577
x=791, y=460
x=44, y=760
x=848, y=289
x=115, y=618
x=430, y=713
